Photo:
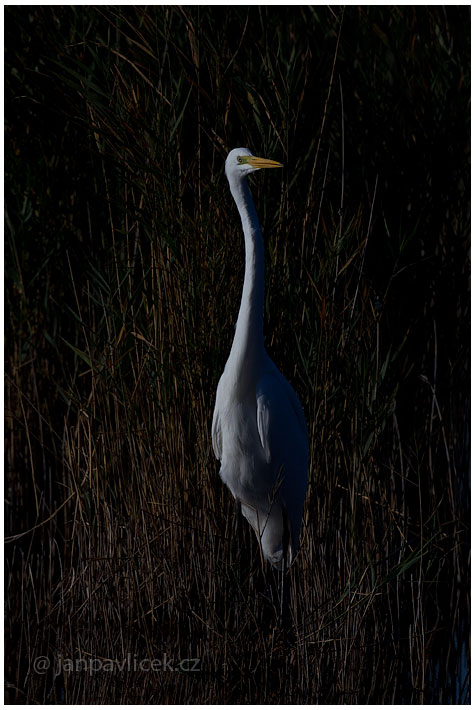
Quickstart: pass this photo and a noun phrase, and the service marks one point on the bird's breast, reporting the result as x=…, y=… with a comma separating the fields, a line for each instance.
x=243, y=465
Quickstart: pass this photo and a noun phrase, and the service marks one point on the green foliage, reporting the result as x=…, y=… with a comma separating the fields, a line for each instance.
x=123, y=272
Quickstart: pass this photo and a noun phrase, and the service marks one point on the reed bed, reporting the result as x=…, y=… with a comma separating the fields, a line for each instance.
x=126, y=571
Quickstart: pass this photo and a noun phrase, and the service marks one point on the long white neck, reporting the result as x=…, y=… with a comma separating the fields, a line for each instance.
x=247, y=351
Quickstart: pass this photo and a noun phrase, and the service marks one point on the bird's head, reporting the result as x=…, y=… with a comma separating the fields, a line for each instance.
x=241, y=162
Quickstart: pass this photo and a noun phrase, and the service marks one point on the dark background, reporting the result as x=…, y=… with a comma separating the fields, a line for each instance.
x=123, y=269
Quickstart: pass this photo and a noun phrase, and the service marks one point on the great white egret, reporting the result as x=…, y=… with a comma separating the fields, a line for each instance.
x=259, y=432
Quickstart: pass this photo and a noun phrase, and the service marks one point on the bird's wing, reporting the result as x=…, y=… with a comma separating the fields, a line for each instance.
x=298, y=411
x=216, y=434
x=283, y=434
x=280, y=419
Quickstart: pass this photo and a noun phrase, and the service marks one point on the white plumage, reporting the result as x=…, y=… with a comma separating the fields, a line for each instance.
x=259, y=432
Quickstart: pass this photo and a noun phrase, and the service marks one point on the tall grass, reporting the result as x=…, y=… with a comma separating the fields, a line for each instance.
x=124, y=270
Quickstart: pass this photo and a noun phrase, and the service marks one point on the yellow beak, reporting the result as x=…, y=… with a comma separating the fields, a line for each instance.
x=256, y=162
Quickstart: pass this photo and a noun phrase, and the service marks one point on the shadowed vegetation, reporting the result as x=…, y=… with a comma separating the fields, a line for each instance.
x=124, y=265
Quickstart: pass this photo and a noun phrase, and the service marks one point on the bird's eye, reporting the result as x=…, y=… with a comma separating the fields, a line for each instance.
x=241, y=159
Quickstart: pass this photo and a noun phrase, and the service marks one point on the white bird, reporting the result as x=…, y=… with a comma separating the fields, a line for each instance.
x=259, y=431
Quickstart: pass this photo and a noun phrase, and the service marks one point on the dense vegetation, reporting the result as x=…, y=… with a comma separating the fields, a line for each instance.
x=123, y=270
